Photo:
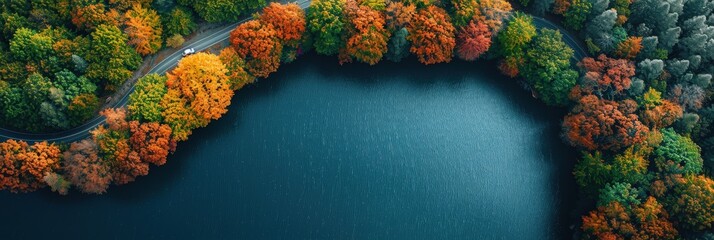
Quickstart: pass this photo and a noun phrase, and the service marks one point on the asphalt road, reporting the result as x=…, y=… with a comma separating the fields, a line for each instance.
x=82, y=132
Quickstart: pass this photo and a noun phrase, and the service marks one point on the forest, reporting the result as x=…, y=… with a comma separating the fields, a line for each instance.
x=59, y=59
x=639, y=109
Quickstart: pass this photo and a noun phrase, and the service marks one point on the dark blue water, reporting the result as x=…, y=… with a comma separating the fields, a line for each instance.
x=395, y=151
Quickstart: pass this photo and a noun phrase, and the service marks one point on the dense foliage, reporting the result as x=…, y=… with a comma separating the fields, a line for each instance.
x=59, y=59
x=639, y=111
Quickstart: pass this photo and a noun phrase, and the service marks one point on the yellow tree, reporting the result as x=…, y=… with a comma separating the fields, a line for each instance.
x=203, y=81
x=143, y=27
x=179, y=115
x=237, y=75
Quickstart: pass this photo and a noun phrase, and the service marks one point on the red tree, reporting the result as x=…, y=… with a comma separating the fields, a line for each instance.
x=258, y=44
x=368, y=38
x=602, y=124
x=288, y=20
x=606, y=75
x=84, y=169
x=473, y=40
x=648, y=220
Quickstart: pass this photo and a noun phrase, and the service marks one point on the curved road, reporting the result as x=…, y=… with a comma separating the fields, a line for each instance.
x=82, y=132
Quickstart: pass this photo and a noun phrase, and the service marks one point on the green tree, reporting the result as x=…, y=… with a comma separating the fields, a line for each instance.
x=592, y=173
x=225, y=10
x=325, y=23
x=72, y=85
x=145, y=101
x=82, y=108
x=178, y=21
x=576, y=14
x=517, y=34
x=547, y=67
x=691, y=202
x=27, y=45
x=622, y=193
x=678, y=154
x=398, y=47
x=117, y=59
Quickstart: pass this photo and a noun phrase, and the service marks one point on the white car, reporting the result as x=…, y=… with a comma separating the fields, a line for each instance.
x=188, y=52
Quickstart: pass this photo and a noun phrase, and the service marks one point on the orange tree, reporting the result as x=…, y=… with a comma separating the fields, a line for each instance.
x=22, y=167
x=257, y=43
x=432, y=36
x=144, y=29
x=367, y=36
x=199, y=90
x=288, y=21
x=596, y=123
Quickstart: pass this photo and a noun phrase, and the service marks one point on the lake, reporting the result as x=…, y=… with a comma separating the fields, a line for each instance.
x=319, y=151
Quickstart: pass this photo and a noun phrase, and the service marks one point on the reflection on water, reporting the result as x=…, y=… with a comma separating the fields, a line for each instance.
x=395, y=151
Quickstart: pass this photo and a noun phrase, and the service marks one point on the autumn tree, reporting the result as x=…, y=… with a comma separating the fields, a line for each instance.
x=325, y=23
x=288, y=21
x=367, y=40
x=179, y=115
x=258, y=45
x=237, y=76
x=560, y=6
x=599, y=124
x=432, y=36
x=89, y=17
x=658, y=113
x=691, y=202
x=547, y=67
x=143, y=27
x=152, y=141
x=84, y=169
x=398, y=15
x=57, y=183
x=473, y=40
x=629, y=48
x=607, y=77
x=648, y=220
x=493, y=13
x=114, y=147
x=23, y=167
x=203, y=81
x=175, y=41
x=512, y=42
x=144, y=102
x=463, y=11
